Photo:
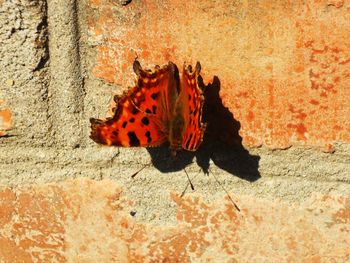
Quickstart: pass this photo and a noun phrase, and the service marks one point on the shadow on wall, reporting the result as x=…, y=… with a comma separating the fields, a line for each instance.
x=222, y=143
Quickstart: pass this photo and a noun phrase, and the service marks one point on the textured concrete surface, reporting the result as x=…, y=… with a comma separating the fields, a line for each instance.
x=24, y=74
x=278, y=76
x=66, y=87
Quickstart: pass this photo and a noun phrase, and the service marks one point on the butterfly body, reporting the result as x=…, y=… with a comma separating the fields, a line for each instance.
x=160, y=108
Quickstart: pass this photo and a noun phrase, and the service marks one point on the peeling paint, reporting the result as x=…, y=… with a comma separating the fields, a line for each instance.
x=5, y=121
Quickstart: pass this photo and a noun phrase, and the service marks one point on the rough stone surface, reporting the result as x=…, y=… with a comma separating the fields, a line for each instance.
x=24, y=74
x=282, y=69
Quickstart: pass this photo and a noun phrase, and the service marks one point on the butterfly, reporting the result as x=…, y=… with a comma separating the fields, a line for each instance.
x=160, y=108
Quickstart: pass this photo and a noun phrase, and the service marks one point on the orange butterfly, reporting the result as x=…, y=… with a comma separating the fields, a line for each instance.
x=160, y=108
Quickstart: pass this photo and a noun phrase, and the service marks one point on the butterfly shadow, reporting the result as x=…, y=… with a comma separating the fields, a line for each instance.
x=222, y=143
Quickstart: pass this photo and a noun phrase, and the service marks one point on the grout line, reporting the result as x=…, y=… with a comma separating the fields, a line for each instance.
x=66, y=90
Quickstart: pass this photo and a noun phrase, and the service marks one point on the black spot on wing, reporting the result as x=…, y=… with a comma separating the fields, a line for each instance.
x=133, y=140
x=124, y=124
x=148, y=111
x=132, y=120
x=148, y=135
x=154, y=109
x=134, y=110
x=145, y=120
x=155, y=95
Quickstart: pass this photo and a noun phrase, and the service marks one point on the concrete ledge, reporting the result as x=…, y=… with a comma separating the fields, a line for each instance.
x=291, y=175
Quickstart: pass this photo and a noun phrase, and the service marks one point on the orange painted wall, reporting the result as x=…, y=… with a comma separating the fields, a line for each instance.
x=284, y=66
x=5, y=120
x=55, y=223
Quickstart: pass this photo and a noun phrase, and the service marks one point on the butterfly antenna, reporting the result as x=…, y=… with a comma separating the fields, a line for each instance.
x=189, y=184
x=223, y=188
x=189, y=180
x=136, y=173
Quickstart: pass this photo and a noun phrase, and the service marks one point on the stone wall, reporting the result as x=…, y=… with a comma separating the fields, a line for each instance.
x=278, y=140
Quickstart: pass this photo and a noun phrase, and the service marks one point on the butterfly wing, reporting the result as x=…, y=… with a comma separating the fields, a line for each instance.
x=140, y=114
x=157, y=91
x=193, y=99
